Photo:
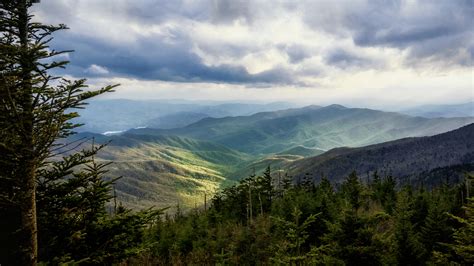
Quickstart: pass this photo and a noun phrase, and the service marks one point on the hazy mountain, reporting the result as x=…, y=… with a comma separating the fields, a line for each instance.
x=302, y=151
x=120, y=115
x=312, y=127
x=175, y=120
x=453, y=110
x=407, y=158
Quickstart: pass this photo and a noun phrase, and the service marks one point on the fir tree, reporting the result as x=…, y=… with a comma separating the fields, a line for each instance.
x=352, y=190
x=73, y=223
x=295, y=234
x=408, y=249
x=33, y=113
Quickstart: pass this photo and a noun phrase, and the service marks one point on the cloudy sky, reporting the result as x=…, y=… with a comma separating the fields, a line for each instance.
x=353, y=52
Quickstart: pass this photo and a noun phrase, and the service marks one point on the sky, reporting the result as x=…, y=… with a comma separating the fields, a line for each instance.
x=366, y=53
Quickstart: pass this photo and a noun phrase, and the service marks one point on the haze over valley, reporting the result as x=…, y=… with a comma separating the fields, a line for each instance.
x=192, y=149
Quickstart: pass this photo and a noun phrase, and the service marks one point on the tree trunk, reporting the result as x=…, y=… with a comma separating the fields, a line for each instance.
x=29, y=242
x=27, y=173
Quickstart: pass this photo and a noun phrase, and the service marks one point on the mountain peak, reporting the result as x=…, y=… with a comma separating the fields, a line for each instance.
x=336, y=106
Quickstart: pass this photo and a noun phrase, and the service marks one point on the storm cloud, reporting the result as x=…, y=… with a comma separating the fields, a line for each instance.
x=260, y=43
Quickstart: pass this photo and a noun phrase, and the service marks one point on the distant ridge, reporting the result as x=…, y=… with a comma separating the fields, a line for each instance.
x=445, y=110
x=312, y=126
x=409, y=158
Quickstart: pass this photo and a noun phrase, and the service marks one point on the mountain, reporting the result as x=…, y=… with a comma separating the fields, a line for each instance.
x=277, y=161
x=120, y=114
x=313, y=127
x=165, y=166
x=175, y=120
x=164, y=170
x=302, y=151
x=408, y=158
x=453, y=110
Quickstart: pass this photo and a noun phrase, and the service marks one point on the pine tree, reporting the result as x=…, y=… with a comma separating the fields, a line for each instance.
x=34, y=114
x=461, y=251
x=264, y=190
x=464, y=237
x=73, y=223
x=436, y=228
x=295, y=235
x=408, y=249
x=352, y=190
x=389, y=195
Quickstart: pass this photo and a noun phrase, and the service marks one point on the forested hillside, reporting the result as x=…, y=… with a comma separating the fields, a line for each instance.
x=409, y=159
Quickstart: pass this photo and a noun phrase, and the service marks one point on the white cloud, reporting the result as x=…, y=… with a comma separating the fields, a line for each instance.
x=97, y=70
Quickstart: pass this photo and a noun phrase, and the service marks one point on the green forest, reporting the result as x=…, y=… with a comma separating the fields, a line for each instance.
x=58, y=206
x=354, y=223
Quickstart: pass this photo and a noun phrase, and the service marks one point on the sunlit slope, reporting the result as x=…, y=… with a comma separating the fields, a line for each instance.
x=277, y=162
x=162, y=171
x=312, y=127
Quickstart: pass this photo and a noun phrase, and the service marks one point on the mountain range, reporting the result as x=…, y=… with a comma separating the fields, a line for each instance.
x=451, y=110
x=313, y=127
x=165, y=167
x=119, y=115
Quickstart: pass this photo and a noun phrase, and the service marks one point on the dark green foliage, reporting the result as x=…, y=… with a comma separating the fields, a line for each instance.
x=352, y=190
x=36, y=109
x=351, y=239
x=463, y=246
x=294, y=234
x=52, y=200
x=73, y=222
x=384, y=192
x=358, y=224
x=407, y=245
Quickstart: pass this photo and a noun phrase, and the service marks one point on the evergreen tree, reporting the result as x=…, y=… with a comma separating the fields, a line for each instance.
x=62, y=200
x=352, y=190
x=461, y=251
x=408, y=249
x=33, y=115
x=73, y=223
x=436, y=228
x=388, y=194
x=463, y=245
x=295, y=235
x=264, y=190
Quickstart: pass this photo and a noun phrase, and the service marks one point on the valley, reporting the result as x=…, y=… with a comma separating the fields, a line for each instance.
x=178, y=166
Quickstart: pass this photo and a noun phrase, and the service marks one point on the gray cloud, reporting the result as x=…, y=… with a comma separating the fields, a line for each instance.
x=154, y=59
x=226, y=11
x=397, y=24
x=344, y=59
x=296, y=53
x=438, y=33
